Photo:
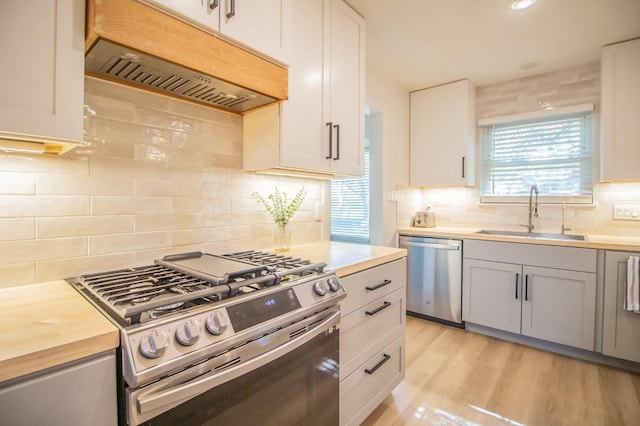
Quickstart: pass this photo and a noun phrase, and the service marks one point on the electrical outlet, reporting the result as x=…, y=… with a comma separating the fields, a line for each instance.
x=626, y=212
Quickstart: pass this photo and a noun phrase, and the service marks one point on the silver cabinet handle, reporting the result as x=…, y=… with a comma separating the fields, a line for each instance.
x=330, y=125
x=213, y=4
x=232, y=10
x=526, y=287
x=433, y=245
x=517, y=277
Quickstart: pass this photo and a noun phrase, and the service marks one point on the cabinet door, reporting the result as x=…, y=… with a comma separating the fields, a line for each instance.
x=371, y=383
x=262, y=25
x=345, y=87
x=620, y=127
x=621, y=329
x=491, y=294
x=442, y=135
x=42, y=68
x=202, y=13
x=304, y=143
x=559, y=306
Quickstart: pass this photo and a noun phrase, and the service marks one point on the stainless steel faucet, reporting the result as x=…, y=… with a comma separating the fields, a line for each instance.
x=533, y=208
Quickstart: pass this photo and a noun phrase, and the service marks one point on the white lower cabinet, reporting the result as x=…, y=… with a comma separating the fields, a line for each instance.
x=79, y=393
x=621, y=328
x=524, y=289
x=372, y=339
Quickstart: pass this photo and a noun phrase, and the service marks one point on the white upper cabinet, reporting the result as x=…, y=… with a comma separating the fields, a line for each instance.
x=620, y=126
x=442, y=135
x=259, y=25
x=320, y=129
x=42, y=70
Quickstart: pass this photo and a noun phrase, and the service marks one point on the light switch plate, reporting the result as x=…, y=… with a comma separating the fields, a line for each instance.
x=626, y=212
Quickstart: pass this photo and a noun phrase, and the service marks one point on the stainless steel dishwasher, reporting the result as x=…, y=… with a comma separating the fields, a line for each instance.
x=434, y=274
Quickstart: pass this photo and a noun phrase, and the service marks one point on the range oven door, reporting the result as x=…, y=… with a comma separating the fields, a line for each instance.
x=295, y=383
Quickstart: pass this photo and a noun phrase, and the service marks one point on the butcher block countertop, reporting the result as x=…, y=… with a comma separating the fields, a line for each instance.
x=602, y=242
x=49, y=324
x=345, y=258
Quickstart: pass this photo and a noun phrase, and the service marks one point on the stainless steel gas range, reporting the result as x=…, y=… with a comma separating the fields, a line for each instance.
x=240, y=338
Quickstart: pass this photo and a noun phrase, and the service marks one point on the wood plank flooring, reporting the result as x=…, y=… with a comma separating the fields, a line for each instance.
x=455, y=377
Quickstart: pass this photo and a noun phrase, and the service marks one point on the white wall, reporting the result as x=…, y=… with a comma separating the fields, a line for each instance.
x=389, y=107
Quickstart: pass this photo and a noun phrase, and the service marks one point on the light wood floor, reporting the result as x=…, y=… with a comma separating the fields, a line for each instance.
x=455, y=377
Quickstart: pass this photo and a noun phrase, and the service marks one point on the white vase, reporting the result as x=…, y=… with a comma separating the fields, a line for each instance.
x=282, y=237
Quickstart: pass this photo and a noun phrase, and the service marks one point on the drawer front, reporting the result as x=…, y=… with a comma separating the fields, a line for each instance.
x=371, y=383
x=371, y=284
x=362, y=330
x=557, y=257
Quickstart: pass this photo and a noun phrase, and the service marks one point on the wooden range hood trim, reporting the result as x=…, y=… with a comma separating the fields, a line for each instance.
x=135, y=25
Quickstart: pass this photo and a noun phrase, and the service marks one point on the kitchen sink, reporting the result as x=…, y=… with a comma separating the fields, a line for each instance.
x=534, y=235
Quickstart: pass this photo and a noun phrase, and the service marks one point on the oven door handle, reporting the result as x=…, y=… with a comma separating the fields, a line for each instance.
x=182, y=392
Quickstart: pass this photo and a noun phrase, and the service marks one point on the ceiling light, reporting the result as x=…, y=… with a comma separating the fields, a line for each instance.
x=522, y=4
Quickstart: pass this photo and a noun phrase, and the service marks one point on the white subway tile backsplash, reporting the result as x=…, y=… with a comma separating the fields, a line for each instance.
x=199, y=236
x=67, y=164
x=155, y=176
x=163, y=188
x=30, y=206
x=17, y=274
x=130, y=205
x=51, y=270
x=57, y=227
x=83, y=185
x=117, y=243
x=159, y=222
x=17, y=229
x=42, y=249
x=17, y=184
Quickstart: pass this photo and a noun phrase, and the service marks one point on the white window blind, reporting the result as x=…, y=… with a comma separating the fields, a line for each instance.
x=350, y=207
x=553, y=152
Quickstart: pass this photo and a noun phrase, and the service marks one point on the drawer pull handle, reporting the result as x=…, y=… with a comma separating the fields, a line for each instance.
x=384, y=359
x=378, y=309
x=377, y=286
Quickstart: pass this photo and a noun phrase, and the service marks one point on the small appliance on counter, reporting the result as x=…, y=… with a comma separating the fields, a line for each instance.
x=425, y=218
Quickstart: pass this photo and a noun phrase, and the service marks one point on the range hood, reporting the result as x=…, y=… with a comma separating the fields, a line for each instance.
x=131, y=43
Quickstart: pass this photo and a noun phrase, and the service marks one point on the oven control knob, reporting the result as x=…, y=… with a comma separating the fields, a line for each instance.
x=334, y=284
x=188, y=333
x=320, y=288
x=216, y=323
x=154, y=344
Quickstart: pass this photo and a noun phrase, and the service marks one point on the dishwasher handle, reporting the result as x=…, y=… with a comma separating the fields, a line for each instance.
x=432, y=245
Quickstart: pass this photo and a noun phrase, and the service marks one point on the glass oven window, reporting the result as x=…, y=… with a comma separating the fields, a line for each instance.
x=299, y=388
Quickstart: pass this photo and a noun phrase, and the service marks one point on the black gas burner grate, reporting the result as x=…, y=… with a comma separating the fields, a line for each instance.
x=181, y=281
x=284, y=265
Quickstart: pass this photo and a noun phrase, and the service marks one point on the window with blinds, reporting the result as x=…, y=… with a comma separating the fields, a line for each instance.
x=554, y=152
x=350, y=207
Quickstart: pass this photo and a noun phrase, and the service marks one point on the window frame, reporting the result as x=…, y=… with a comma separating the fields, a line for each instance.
x=536, y=117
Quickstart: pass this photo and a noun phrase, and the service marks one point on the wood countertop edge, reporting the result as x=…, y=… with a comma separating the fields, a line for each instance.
x=53, y=357
x=602, y=242
x=370, y=263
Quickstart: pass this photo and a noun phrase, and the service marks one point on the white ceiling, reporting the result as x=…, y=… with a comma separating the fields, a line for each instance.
x=424, y=43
